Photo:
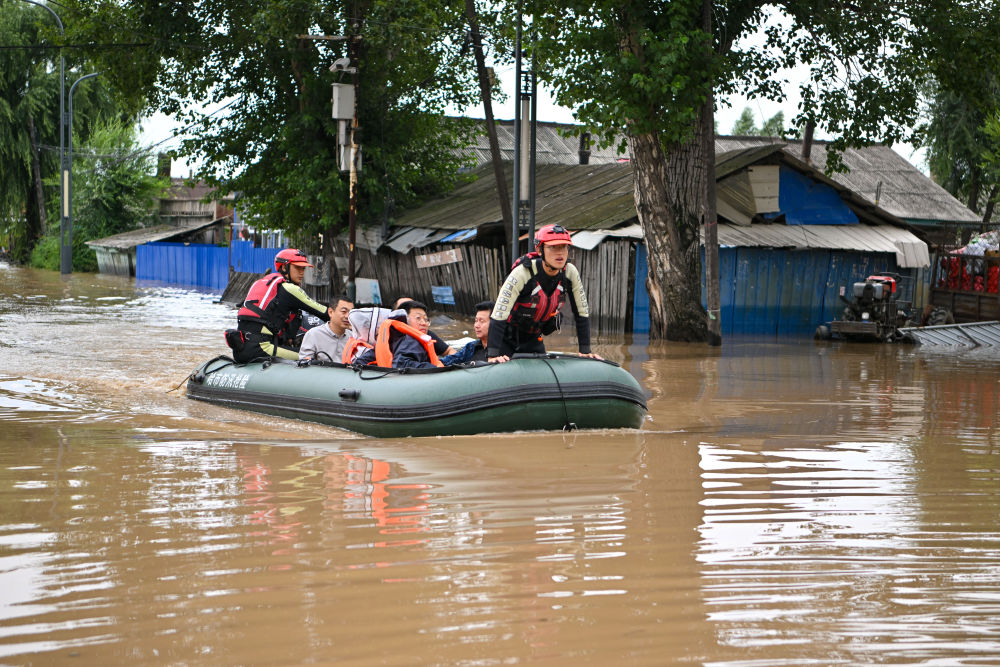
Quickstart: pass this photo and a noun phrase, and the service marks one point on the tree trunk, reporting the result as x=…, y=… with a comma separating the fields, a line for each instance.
x=991, y=203
x=491, y=128
x=36, y=178
x=670, y=195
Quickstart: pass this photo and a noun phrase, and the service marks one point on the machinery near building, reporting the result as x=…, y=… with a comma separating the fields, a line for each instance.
x=873, y=313
x=876, y=313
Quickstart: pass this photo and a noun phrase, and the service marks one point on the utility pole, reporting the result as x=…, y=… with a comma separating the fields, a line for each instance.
x=345, y=112
x=524, y=149
x=69, y=160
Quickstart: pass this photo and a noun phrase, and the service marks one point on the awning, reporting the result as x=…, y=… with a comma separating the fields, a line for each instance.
x=910, y=251
x=591, y=238
x=408, y=238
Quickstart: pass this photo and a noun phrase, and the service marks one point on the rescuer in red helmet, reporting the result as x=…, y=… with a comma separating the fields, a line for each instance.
x=528, y=305
x=272, y=312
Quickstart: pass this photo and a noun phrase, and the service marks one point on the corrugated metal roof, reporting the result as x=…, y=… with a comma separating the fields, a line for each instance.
x=974, y=334
x=408, y=238
x=552, y=145
x=578, y=197
x=150, y=234
x=877, y=173
x=910, y=251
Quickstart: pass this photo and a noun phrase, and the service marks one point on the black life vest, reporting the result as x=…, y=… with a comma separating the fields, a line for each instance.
x=539, y=307
x=261, y=305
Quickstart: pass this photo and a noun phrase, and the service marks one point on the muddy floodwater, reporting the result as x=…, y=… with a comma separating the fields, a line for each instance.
x=785, y=503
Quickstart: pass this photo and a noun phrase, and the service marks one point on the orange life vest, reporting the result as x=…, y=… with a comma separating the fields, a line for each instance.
x=351, y=350
x=383, y=355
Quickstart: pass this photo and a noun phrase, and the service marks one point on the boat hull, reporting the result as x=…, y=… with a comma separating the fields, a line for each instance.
x=548, y=392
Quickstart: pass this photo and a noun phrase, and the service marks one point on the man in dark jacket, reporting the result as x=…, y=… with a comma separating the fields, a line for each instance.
x=407, y=351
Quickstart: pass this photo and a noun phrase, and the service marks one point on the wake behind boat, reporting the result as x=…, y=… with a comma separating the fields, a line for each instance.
x=530, y=392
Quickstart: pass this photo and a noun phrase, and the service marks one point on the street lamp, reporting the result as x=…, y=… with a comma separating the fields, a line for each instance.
x=68, y=180
x=65, y=230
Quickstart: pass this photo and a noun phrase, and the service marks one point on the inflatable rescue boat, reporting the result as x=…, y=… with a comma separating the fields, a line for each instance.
x=528, y=393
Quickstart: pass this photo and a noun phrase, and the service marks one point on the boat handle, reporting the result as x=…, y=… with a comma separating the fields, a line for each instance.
x=350, y=394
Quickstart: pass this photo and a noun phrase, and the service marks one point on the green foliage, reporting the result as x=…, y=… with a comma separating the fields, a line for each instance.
x=956, y=138
x=643, y=65
x=963, y=102
x=274, y=140
x=746, y=125
x=45, y=254
x=114, y=191
x=114, y=183
x=29, y=96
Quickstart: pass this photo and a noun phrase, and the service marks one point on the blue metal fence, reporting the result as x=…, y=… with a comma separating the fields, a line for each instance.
x=195, y=265
x=764, y=291
x=246, y=258
x=200, y=265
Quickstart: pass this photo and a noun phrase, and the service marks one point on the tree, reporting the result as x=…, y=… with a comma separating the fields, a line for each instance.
x=274, y=139
x=115, y=187
x=29, y=110
x=958, y=144
x=963, y=99
x=651, y=69
x=29, y=124
x=746, y=125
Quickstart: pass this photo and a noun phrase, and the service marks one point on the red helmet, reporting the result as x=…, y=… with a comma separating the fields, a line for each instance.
x=290, y=256
x=552, y=235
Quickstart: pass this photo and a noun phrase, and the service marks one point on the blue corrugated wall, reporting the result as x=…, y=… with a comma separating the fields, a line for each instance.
x=774, y=292
x=200, y=265
x=249, y=259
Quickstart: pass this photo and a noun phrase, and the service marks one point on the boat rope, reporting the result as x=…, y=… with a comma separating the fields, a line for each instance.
x=568, y=426
x=382, y=372
x=199, y=376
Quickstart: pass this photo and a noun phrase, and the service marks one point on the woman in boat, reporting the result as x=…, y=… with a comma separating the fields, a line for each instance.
x=272, y=312
x=527, y=308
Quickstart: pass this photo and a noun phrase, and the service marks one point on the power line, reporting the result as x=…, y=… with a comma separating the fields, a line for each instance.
x=92, y=45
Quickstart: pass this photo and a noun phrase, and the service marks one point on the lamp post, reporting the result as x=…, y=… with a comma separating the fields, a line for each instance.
x=65, y=246
x=68, y=180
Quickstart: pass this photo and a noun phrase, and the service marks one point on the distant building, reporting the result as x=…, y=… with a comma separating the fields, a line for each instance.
x=790, y=236
x=183, y=216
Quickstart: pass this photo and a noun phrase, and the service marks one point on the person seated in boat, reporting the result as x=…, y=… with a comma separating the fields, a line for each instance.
x=441, y=347
x=527, y=308
x=403, y=341
x=272, y=311
x=474, y=351
x=326, y=342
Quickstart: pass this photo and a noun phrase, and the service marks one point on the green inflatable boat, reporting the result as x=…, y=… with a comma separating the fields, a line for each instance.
x=528, y=393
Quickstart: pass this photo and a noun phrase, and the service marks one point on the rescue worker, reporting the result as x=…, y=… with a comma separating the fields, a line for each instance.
x=272, y=312
x=529, y=301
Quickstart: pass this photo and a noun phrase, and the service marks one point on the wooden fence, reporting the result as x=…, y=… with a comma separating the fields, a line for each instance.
x=607, y=272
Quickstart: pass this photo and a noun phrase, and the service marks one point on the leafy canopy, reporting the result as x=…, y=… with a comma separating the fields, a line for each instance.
x=273, y=138
x=114, y=191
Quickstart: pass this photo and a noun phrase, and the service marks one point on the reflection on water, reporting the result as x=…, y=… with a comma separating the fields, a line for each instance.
x=785, y=504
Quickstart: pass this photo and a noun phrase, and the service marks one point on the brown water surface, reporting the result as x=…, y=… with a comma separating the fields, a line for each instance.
x=786, y=503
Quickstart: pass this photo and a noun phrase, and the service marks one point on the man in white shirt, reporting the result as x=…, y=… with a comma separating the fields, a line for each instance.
x=326, y=342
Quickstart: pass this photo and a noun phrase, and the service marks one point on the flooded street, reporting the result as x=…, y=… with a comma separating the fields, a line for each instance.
x=786, y=503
